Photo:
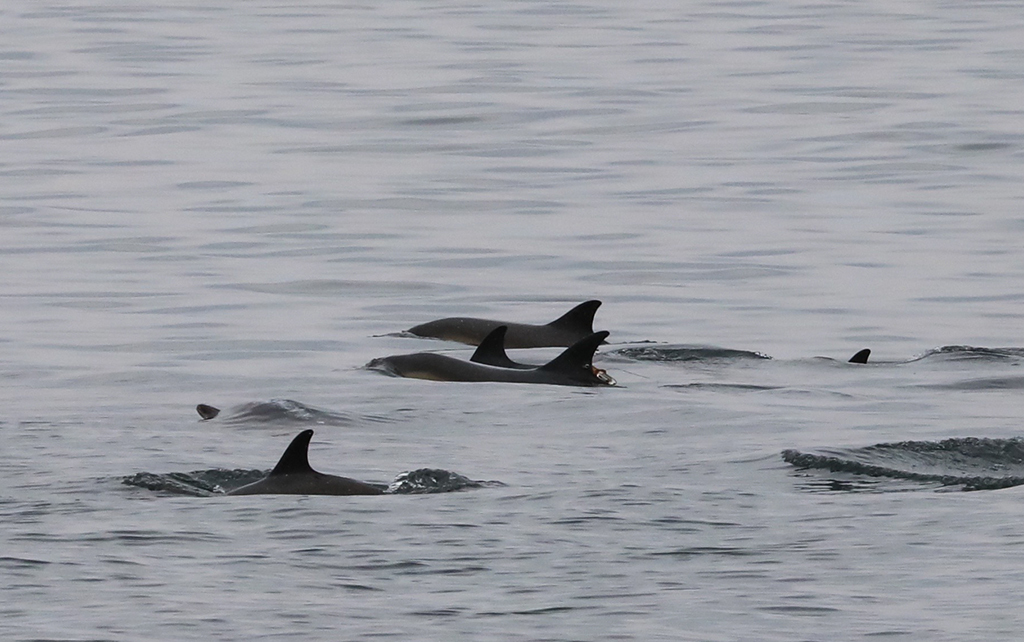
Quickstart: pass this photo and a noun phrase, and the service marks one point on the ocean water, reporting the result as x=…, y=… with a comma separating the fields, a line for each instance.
x=239, y=204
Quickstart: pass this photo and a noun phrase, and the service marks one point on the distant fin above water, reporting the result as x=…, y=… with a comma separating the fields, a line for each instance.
x=574, y=325
x=861, y=357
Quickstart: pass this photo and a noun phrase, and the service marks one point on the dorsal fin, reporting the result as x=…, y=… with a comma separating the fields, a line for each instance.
x=580, y=319
x=578, y=356
x=491, y=350
x=296, y=457
x=207, y=412
x=861, y=357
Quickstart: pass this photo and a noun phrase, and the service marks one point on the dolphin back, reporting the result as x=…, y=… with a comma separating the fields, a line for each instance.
x=294, y=476
x=572, y=326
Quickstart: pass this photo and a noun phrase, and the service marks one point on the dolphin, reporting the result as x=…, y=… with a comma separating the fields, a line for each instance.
x=573, y=367
x=574, y=325
x=860, y=357
x=294, y=476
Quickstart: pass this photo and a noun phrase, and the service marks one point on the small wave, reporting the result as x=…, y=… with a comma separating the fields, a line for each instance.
x=434, y=480
x=281, y=411
x=984, y=383
x=972, y=463
x=684, y=353
x=972, y=353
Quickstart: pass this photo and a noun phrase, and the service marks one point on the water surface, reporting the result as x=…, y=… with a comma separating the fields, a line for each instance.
x=231, y=203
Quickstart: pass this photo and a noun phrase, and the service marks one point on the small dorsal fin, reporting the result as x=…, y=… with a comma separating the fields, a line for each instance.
x=578, y=356
x=296, y=457
x=207, y=412
x=861, y=357
x=491, y=350
x=580, y=319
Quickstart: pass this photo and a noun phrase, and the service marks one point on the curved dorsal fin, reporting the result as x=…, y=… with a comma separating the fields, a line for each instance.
x=578, y=356
x=580, y=319
x=491, y=350
x=207, y=412
x=861, y=357
x=296, y=456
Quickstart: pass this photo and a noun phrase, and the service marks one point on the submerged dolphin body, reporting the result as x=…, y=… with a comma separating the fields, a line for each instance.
x=573, y=367
x=294, y=476
x=574, y=325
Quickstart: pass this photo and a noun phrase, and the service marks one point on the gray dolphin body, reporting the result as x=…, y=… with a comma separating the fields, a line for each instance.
x=294, y=476
x=573, y=367
x=574, y=325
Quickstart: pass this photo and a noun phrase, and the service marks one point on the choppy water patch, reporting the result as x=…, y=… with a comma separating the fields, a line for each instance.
x=972, y=353
x=219, y=481
x=970, y=463
x=683, y=353
x=434, y=480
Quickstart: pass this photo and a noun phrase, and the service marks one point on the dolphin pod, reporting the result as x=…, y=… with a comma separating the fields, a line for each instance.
x=294, y=476
x=573, y=367
x=573, y=326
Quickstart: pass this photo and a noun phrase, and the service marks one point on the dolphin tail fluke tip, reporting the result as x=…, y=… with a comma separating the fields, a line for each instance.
x=861, y=357
x=207, y=412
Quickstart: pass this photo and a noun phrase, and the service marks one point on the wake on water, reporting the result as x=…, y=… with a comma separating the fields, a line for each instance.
x=281, y=411
x=967, y=463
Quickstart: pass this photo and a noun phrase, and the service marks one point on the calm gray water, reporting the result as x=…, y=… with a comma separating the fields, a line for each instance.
x=230, y=203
